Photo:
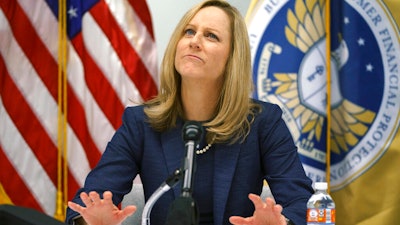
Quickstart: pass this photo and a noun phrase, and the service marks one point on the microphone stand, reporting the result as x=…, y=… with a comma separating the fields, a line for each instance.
x=170, y=182
x=184, y=209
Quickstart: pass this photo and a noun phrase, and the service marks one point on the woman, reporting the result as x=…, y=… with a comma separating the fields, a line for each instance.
x=206, y=77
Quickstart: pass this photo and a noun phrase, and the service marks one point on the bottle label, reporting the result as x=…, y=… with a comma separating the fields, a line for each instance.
x=321, y=216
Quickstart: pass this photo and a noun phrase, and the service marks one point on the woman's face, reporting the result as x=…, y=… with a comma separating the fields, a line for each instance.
x=203, y=50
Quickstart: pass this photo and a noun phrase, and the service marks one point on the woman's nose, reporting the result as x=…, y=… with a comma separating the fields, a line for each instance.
x=195, y=42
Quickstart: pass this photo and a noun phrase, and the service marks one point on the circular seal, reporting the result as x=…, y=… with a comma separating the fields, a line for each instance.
x=360, y=95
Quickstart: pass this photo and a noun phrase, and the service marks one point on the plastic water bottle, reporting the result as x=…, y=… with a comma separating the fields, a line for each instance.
x=321, y=207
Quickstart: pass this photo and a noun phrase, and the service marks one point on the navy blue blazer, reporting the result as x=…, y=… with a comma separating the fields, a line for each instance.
x=239, y=169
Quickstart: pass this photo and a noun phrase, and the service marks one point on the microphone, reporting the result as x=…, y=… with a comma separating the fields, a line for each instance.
x=192, y=133
x=183, y=210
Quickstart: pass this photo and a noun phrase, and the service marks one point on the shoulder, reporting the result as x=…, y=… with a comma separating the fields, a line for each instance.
x=134, y=124
x=134, y=111
x=268, y=118
x=134, y=115
x=268, y=109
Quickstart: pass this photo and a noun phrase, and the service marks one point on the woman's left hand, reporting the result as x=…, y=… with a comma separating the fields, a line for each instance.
x=266, y=213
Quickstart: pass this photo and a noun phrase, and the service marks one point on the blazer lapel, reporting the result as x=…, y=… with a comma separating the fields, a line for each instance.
x=174, y=151
x=226, y=157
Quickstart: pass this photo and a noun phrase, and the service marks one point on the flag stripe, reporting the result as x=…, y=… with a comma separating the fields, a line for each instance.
x=32, y=46
x=26, y=164
x=129, y=58
x=18, y=64
x=108, y=61
x=24, y=196
x=93, y=134
x=140, y=7
x=28, y=125
x=100, y=88
x=79, y=164
x=137, y=35
x=43, y=22
x=77, y=121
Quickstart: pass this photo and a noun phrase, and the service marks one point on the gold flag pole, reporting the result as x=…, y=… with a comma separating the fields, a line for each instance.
x=328, y=91
x=62, y=163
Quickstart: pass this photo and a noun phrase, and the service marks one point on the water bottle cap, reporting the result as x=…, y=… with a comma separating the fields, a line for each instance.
x=321, y=185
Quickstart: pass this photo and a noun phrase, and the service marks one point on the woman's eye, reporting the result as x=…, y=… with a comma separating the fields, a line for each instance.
x=189, y=32
x=212, y=36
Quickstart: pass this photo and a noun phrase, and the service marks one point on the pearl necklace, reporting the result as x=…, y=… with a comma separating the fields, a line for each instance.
x=204, y=150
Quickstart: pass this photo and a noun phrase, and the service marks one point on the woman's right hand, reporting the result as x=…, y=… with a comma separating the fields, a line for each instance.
x=101, y=211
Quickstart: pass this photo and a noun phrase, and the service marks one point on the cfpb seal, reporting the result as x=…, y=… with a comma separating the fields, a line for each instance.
x=289, y=46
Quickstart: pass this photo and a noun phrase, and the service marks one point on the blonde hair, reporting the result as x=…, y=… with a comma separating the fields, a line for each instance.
x=235, y=110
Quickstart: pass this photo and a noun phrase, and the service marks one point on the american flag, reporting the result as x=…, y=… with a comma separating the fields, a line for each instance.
x=111, y=63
